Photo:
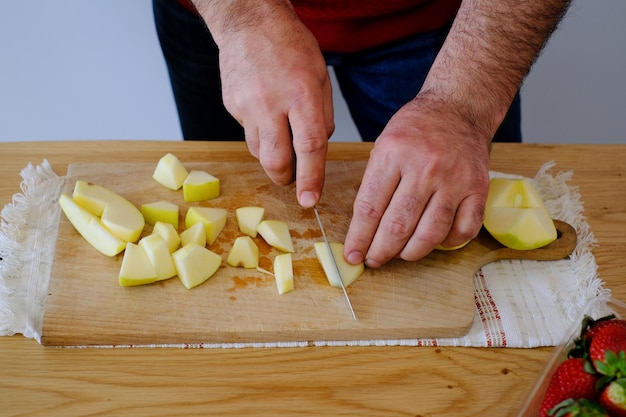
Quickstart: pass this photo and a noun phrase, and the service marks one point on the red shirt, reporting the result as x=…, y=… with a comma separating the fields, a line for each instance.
x=353, y=25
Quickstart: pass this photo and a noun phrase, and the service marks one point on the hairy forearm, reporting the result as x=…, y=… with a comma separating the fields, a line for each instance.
x=489, y=51
x=232, y=16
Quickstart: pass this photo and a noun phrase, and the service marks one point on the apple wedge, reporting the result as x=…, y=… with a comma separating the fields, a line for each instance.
x=159, y=255
x=348, y=272
x=200, y=186
x=170, y=172
x=168, y=233
x=116, y=213
x=516, y=216
x=283, y=273
x=195, y=234
x=214, y=220
x=248, y=219
x=276, y=234
x=244, y=253
x=136, y=268
x=195, y=264
x=160, y=211
x=90, y=228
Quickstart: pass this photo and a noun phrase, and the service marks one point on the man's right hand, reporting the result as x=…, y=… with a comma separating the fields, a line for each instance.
x=276, y=84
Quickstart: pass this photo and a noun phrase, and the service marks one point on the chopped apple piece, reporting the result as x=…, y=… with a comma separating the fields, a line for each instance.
x=283, y=273
x=90, y=228
x=136, y=267
x=200, y=186
x=170, y=172
x=195, y=264
x=516, y=216
x=159, y=255
x=244, y=253
x=276, y=233
x=349, y=273
x=195, y=233
x=160, y=211
x=168, y=233
x=248, y=219
x=214, y=220
x=462, y=245
x=116, y=213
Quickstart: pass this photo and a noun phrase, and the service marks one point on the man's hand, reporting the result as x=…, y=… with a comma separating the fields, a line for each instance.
x=276, y=84
x=426, y=183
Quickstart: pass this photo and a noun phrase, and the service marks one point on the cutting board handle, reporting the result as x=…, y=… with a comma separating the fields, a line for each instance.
x=561, y=248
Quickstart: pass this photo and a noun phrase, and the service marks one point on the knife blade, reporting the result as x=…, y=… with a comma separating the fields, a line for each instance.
x=334, y=261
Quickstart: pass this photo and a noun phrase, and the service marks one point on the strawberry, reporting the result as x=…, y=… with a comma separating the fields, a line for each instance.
x=575, y=378
x=613, y=398
x=607, y=350
x=578, y=408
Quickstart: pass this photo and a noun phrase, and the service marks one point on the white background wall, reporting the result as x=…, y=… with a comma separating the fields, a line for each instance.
x=92, y=69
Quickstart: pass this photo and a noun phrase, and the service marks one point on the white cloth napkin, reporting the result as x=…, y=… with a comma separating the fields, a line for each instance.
x=518, y=303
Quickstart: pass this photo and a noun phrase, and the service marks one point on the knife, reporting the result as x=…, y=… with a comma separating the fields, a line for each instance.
x=334, y=262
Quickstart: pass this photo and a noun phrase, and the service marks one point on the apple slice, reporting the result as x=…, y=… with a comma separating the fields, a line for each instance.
x=200, y=186
x=195, y=233
x=244, y=253
x=348, y=272
x=116, y=213
x=283, y=273
x=159, y=255
x=214, y=220
x=168, y=233
x=136, y=268
x=160, y=211
x=90, y=228
x=276, y=233
x=195, y=264
x=516, y=216
x=170, y=172
x=248, y=219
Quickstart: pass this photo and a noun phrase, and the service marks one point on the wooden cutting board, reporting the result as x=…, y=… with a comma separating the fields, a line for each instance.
x=430, y=298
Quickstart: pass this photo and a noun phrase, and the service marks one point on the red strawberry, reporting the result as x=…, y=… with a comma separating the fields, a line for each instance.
x=607, y=350
x=575, y=379
x=613, y=398
x=595, y=326
x=579, y=408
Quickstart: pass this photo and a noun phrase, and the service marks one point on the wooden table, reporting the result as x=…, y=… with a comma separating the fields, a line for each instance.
x=363, y=381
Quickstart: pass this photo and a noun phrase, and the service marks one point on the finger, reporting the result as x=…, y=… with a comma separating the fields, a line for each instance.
x=275, y=151
x=398, y=223
x=467, y=222
x=372, y=199
x=251, y=136
x=310, y=144
x=432, y=228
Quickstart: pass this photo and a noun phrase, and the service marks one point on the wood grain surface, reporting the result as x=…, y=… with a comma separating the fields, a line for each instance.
x=387, y=381
x=426, y=299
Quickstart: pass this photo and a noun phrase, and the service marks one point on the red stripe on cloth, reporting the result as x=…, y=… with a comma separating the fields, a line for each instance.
x=488, y=313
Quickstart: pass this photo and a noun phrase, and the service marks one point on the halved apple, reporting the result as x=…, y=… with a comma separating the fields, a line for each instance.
x=283, y=273
x=160, y=211
x=516, y=216
x=276, y=233
x=244, y=253
x=168, y=233
x=349, y=273
x=200, y=186
x=214, y=220
x=159, y=255
x=90, y=228
x=136, y=268
x=116, y=213
x=248, y=219
x=195, y=233
x=170, y=172
x=195, y=264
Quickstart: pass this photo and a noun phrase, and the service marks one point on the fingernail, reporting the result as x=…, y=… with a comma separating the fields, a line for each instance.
x=372, y=263
x=355, y=257
x=308, y=199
